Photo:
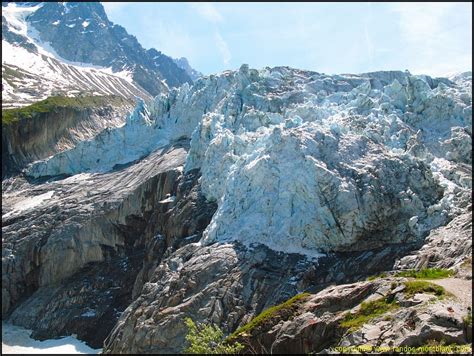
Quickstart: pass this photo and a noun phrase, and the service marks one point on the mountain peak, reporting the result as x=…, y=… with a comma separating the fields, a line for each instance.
x=80, y=32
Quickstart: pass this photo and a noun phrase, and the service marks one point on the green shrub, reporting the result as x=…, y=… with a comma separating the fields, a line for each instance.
x=268, y=314
x=413, y=287
x=367, y=311
x=426, y=273
x=208, y=339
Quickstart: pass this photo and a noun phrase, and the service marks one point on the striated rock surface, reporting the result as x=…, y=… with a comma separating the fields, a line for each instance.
x=446, y=247
x=53, y=229
x=228, y=284
x=48, y=133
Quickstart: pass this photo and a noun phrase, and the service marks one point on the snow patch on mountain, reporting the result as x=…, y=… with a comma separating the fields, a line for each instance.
x=17, y=340
x=16, y=17
x=42, y=72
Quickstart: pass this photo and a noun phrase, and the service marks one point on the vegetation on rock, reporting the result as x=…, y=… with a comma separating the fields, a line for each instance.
x=414, y=287
x=52, y=103
x=269, y=314
x=367, y=311
x=426, y=273
x=208, y=339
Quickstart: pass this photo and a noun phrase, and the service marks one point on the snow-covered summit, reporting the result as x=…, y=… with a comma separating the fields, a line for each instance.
x=32, y=70
x=306, y=162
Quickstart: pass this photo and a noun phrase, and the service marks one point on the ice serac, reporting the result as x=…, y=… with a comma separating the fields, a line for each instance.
x=325, y=163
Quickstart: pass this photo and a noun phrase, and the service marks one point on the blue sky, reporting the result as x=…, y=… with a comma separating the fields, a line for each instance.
x=425, y=38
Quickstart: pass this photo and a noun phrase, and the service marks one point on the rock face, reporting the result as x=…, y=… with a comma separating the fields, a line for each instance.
x=46, y=134
x=99, y=216
x=183, y=63
x=237, y=193
x=238, y=282
x=445, y=247
x=316, y=322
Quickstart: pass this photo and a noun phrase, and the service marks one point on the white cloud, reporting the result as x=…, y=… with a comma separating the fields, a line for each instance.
x=208, y=11
x=111, y=7
x=368, y=40
x=435, y=33
x=223, y=48
x=421, y=22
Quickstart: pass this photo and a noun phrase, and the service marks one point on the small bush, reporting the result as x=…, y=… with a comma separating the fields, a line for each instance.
x=367, y=312
x=413, y=287
x=208, y=339
x=426, y=273
x=268, y=314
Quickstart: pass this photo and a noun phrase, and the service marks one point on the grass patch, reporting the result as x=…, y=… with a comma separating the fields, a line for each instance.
x=413, y=287
x=268, y=314
x=426, y=273
x=50, y=104
x=367, y=312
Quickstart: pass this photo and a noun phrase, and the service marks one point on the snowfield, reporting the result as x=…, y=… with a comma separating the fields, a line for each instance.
x=16, y=340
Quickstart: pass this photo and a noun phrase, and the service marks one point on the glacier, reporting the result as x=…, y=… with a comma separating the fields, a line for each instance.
x=306, y=162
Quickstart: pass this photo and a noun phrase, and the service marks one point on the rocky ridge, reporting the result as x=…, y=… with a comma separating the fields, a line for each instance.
x=72, y=48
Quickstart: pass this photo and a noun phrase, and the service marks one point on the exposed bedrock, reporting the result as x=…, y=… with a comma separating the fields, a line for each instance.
x=83, y=288
x=46, y=134
x=229, y=284
x=53, y=229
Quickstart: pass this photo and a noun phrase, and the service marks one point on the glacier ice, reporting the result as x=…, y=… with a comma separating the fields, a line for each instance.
x=306, y=162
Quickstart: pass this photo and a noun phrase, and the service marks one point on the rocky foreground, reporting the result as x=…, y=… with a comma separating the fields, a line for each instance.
x=237, y=193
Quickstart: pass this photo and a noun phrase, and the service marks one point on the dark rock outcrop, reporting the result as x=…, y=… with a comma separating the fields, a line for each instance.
x=98, y=216
x=48, y=133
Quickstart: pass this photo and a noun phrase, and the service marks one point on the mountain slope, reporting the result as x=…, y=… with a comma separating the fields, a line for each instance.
x=81, y=32
x=69, y=48
x=183, y=63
